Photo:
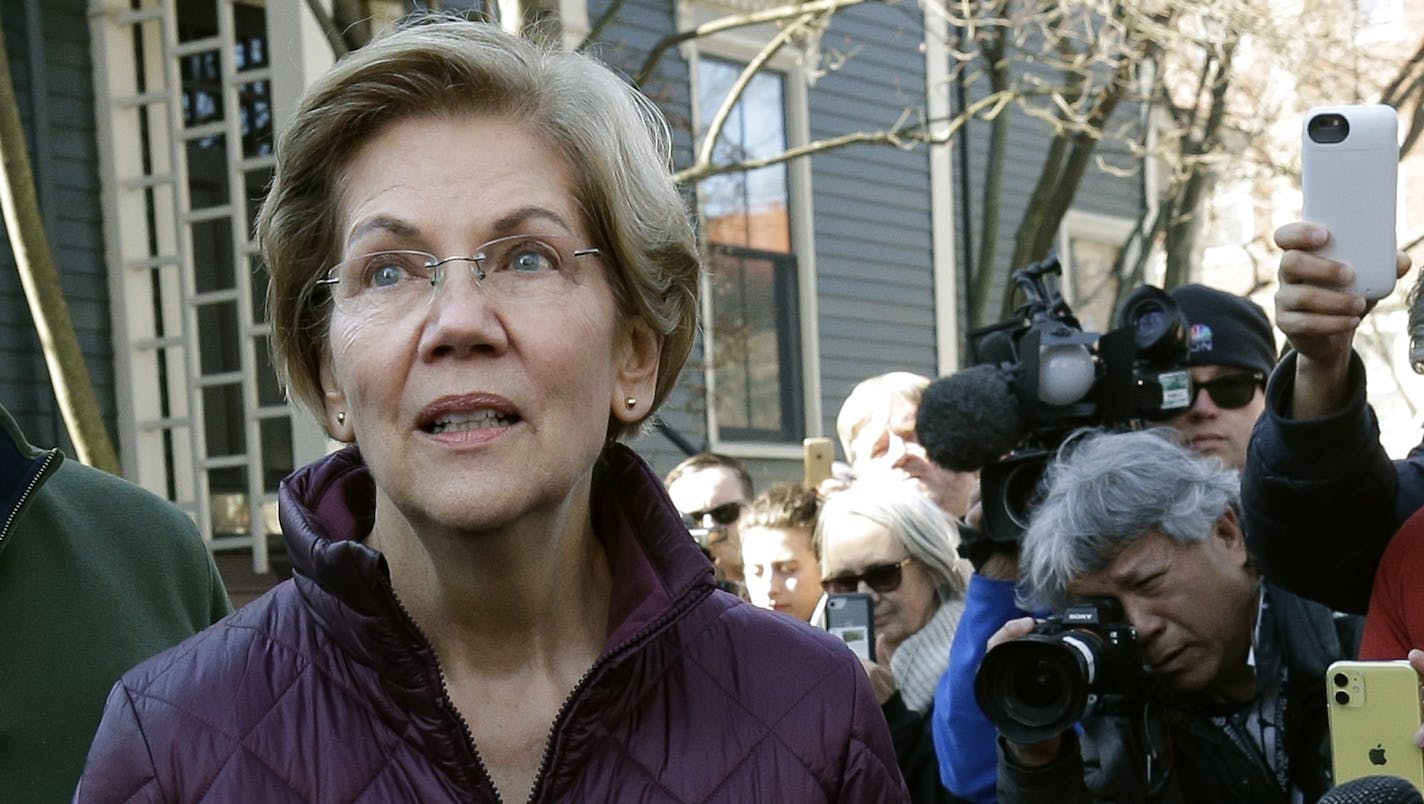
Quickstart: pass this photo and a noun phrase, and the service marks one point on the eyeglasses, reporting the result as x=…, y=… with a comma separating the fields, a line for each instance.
x=881, y=578
x=724, y=514
x=394, y=282
x=1231, y=391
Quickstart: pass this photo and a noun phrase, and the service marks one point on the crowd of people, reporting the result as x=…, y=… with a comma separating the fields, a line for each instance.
x=496, y=599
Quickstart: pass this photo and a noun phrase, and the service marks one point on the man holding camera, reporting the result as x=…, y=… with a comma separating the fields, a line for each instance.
x=1230, y=350
x=1229, y=703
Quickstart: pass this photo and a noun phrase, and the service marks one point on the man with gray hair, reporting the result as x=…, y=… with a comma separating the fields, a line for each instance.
x=1231, y=701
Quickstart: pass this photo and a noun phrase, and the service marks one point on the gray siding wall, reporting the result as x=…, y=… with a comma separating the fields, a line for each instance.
x=874, y=264
x=48, y=44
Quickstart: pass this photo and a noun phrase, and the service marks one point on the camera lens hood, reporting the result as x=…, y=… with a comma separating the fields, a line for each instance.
x=1036, y=687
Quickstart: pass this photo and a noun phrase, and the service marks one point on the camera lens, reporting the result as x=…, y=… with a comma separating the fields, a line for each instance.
x=1342, y=698
x=1341, y=679
x=1328, y=128
x=1034, y=687
x=1158, y=328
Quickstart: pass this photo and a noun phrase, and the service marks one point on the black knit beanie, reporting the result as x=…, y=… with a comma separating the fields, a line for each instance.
x=1225, y=329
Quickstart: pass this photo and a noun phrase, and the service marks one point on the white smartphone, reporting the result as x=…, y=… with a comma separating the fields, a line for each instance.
x=1350, y=177
x=850, y=616
x=1374, y=710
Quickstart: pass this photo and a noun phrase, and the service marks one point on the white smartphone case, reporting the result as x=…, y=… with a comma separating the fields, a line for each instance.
x=1350, y=187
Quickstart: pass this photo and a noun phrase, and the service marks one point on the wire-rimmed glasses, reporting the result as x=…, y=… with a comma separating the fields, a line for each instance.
x=396, y=281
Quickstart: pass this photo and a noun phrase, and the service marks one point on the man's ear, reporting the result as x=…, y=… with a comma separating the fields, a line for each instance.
x=1228, y=530
x=636, y=381
x=338, y=414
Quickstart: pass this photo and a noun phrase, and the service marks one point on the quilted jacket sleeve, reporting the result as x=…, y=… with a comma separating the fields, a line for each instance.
x=120, y=767
x=871, y=773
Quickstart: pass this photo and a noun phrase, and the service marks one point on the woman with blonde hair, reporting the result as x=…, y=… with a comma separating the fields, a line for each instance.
x=482, y=278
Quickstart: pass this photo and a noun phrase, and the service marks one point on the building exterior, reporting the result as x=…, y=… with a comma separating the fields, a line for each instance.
x=151, y=125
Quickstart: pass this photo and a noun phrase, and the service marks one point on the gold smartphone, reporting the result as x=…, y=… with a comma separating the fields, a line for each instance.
x=819, y=452
x=1374, y=712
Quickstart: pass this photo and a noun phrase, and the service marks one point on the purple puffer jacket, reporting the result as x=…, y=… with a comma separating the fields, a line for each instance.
x=324, y=690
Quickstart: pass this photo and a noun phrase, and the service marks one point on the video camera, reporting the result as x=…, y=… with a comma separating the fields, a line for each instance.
x=1084, y=660
x=1037, y=377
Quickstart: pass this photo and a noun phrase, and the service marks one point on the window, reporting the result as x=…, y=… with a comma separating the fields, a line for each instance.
x=1088, y=248
x=754, y=328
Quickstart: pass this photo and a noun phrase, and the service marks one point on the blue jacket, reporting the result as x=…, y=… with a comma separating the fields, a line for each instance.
x=963, y=736
x=1321, y=498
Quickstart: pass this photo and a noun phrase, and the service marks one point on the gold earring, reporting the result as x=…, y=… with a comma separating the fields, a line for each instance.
x=630, y=403
x=340, y=417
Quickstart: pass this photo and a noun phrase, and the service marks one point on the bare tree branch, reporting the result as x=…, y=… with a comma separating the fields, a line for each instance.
x=900, y=136
x=734, y=21
x=734, y=94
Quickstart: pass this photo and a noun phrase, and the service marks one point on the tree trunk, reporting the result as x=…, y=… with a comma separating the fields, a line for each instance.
x=40, y=280
x=982, y=287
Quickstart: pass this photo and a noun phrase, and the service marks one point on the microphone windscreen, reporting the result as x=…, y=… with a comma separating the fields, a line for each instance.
x=1373, y=790
x=969, y=418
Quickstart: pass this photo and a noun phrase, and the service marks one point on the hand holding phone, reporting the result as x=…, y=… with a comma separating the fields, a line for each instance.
x=850, y=616
x=1374, y=711
x=1349, y=174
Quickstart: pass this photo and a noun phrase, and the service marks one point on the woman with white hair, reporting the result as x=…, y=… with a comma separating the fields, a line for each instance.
x=882, y=536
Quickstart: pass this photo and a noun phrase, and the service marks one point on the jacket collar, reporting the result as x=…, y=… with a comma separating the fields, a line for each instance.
x=23, y=468
x=327, y=509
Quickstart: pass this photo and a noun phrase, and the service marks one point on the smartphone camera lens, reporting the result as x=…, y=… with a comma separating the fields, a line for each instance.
x=1343, y=698
x=1328, y=129
x=1341, y=679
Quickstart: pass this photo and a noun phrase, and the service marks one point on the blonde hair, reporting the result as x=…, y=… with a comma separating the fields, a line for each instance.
x=871, y=396
x=614, y=142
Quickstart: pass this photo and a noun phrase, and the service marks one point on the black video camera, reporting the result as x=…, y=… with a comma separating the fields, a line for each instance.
x=1083, y=660
x=1064, y=379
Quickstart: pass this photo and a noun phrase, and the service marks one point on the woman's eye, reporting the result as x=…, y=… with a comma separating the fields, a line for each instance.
x=386, y=275
x=390, y=270
x=529, y=259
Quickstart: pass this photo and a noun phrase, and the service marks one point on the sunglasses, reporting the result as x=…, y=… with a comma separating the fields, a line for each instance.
x=881, y=578
x=724, y=514
x=1231, y=391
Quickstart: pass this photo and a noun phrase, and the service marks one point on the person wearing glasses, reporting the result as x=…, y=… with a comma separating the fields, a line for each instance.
x=482, y=279
x=1230, y=352
x=710, y=489
x=883, y=537
x=1229, y=702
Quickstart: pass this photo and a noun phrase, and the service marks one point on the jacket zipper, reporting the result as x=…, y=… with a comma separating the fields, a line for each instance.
x=550, y=748
x=449, y=702
x=34, y=483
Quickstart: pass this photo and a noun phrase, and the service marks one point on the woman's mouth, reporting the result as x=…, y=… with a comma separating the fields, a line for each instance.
x=469, y=420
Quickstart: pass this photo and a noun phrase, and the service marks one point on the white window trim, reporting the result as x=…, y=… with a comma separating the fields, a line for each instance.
x=942, y=214
x=742, y=45
x=1092, y=226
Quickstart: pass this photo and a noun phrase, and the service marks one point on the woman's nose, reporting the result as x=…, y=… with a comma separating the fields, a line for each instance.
x=462, y=318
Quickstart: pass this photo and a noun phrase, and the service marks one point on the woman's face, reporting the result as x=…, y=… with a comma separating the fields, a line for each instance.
x=476, y=409
x=852, y=544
